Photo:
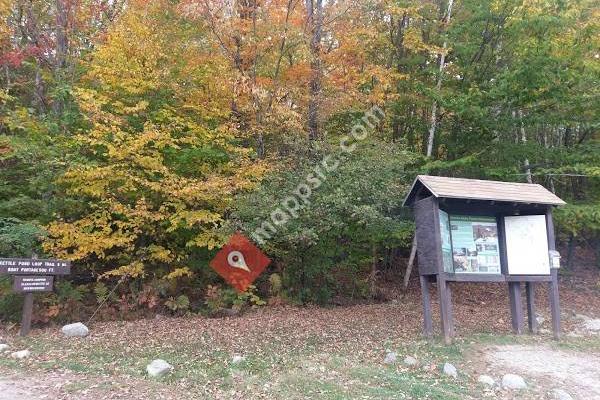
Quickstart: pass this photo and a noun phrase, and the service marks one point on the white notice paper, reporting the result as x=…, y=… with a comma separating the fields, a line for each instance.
x=527, y=245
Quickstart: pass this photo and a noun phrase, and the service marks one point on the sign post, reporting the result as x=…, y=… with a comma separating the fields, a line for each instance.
x=32, y=275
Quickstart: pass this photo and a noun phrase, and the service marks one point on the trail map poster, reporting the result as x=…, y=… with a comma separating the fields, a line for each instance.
x=527, y=245
x=446, y=244
x=474, y=244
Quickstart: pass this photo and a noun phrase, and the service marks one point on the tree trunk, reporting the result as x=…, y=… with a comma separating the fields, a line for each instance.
x=62, y=45
x=524, y=141
x=438, y=86
x=315, y=26
x=431, y=137
x=411, y=261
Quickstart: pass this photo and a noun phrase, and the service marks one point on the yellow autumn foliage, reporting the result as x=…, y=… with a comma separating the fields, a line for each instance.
x=161, y=165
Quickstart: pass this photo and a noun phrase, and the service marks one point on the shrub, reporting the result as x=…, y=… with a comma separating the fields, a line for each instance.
x=327, y=248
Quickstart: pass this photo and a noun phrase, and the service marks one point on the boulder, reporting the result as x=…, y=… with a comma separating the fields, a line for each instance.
x=486, y=380
x=20, y=354
x=560, y=394
x=390, y=358
x=450, y=370
x=3, y=347
x=592, y=325
x=410, y=361
x=75, y=330
x=158, y=368
x=512, y=381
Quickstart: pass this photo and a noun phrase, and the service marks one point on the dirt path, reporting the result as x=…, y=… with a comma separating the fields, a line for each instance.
x=20, y=388
x=576, y=372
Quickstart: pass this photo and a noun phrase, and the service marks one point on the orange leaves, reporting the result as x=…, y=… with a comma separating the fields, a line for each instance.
x=164, y=162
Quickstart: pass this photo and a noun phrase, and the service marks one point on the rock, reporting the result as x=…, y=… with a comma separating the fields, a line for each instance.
x=20, y=354
x=410, y=361
x=237, y=359
x=486, y=380
x=560, y=394
x=3, y=347
x=158, y=368
x=450, y=370
x=592, y=325
x=390, y=358
x=75, y=330
x=512, y=381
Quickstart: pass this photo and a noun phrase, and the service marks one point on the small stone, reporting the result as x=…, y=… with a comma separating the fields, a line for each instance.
x=486, y=380
x=20, y=354
x=450, y=370
x=573, y=335
x=237, y=359
x=390, y=358
x=560, y=394
x=158, y=368
x=75, y=330
x=3, y=347
x=592, y=325
x=410, y=361
x=582, y=317
x=512, y=381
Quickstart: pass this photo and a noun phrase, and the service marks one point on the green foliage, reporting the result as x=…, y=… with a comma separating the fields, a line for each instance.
x=135, y=156
x=67, y=292
x=328, y=248
x=10, y=303
x=19, y=238
x=217, y=299
x=181, y=304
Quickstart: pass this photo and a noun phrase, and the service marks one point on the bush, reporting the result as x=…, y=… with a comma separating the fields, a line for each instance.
x=327, y=248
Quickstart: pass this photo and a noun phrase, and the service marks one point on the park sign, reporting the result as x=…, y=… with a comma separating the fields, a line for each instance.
x=471, y=230
x=33, y=283
x=32, y=275
x=34, y=266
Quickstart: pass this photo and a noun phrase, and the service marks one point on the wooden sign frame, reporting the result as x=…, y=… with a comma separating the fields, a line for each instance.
x=427, y=203
x=32, y=275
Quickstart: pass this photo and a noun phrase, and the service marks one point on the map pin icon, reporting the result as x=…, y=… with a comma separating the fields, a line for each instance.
x=236, y=260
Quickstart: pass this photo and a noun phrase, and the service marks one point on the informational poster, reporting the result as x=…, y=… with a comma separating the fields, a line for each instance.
x=527, y=245
x=446, y=244
x=475, y=246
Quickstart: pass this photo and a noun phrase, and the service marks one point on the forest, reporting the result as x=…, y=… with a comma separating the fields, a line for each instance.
x=136, y=136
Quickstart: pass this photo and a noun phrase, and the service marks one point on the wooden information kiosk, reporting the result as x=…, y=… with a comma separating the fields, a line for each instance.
x=471, y=230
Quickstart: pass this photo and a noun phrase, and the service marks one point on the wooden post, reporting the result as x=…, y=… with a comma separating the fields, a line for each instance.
x=516, y=308
x=445, y=308
x=427, y=319
x=531, y=317
x=26, y=317
x=554, y=304
x=553, y=285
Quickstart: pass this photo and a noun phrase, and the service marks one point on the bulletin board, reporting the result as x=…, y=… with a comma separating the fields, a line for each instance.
x=527, y=245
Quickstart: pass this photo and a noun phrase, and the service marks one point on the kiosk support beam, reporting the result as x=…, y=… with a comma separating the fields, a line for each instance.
x=554, y=304
x=516, y=308
x=426, y=297
x=531, y=318
x=445, y=299
x=26, y=317
x=553, y=286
